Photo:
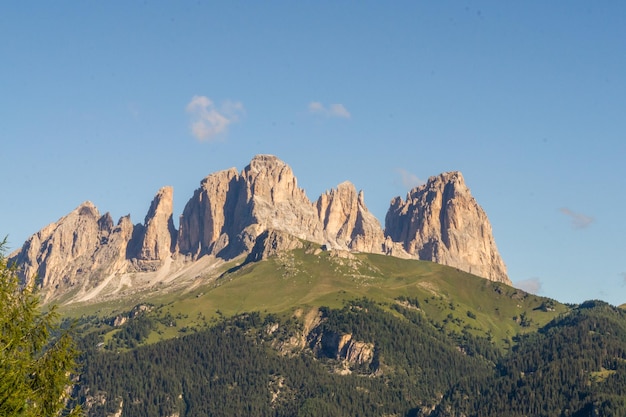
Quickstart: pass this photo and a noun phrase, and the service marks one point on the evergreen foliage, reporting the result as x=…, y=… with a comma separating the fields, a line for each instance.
x=37, y=359
x=573, y=367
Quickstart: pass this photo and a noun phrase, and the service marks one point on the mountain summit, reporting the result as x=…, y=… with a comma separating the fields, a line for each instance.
x=85, y=254
x=440, y=221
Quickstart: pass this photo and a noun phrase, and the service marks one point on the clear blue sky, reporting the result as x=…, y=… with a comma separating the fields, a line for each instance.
x=109, y=101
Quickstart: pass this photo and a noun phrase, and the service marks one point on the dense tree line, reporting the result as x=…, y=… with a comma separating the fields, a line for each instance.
x=232, y=369
x=575, y=366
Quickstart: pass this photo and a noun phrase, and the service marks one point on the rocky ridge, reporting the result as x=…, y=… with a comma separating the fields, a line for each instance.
x=256, y=213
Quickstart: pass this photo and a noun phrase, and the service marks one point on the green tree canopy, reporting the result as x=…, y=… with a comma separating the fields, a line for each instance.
x=37, y=359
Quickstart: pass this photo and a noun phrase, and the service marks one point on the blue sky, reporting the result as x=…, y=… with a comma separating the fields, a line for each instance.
x=109, y=101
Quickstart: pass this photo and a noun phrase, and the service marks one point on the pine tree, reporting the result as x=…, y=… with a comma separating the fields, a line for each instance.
x=37, y=359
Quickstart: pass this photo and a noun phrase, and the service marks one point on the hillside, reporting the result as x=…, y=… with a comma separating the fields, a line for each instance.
x=308, y=278
x=311, y=333
x=272, y=337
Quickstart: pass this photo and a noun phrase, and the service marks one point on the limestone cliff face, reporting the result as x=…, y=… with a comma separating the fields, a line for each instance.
x=79, y=247
x=347, y=222
x=84, y=247
x=207, y=222
x=340, y=346
x=230, y=210
x=159, y=235
x=276, y=202
x=440, y=221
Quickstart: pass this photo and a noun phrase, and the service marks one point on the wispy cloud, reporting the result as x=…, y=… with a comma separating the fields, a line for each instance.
x=409, y=179
x=578, y=220
x=333, y=110
x=208, y=122
x=623, y=275
x=531, y=285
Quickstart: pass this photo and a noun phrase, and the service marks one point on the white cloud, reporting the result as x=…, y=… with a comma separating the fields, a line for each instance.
x=333, y=110
x=532, y=285
x=339, y=110
x=209, y=122
x=316, y=107
x=409, y=179
x=579, y=220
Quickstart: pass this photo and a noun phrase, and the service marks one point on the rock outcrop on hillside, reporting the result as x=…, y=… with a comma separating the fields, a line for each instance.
x=340, y=346
x=271, y=243
x=440, y=221
x=259, y=212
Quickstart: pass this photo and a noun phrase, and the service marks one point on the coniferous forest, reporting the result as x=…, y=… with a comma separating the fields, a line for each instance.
x=261, y=365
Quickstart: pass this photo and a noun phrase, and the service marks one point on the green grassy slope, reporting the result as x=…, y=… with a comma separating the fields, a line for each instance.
x=307, y=278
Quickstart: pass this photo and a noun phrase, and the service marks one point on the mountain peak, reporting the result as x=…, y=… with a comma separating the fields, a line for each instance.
x=87, y=208
x=266, y=159
x=230, y=215
x=442, y=222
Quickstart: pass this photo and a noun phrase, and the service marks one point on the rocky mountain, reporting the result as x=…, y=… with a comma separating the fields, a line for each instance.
x=84, y=248
x=234, y=214
x=229, y=210
x=441, y=221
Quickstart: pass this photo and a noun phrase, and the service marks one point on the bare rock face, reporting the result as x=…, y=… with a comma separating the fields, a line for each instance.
x=111, y=255
x=159, y=236
x=83, y=247
x=358, y=353
x=275, y=200
x=78, y=248
x=440, y=221
x=230, y=210
x=206, y=224
x=346, y=221
x=340, y=346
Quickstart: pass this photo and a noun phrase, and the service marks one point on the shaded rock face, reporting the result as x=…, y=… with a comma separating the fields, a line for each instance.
x=272, y=243
x=440, y=221
x=204, y=226
x=340, y=346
